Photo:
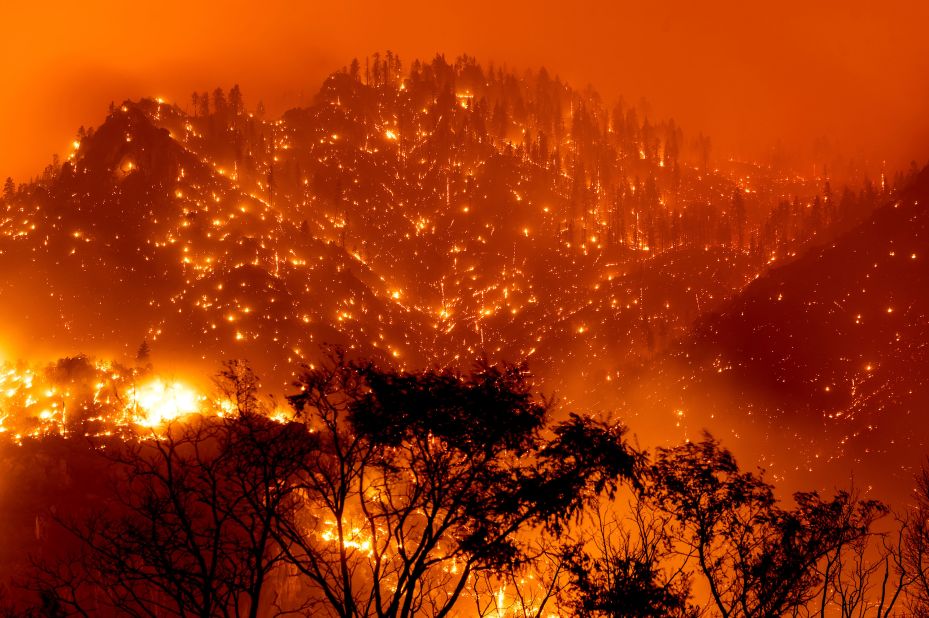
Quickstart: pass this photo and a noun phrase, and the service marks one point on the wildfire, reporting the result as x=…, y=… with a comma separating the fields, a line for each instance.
x=90, y=398
x=158, y=402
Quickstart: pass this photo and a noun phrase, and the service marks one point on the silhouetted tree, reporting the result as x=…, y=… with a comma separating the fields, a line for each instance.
x=916, y=545
x=143, y=355
x=235, y=100
x=626, y=567
x=423, y=482
x=865, y=577
x=757, y=558
x=9, y=189
x=75, y=376
x=392, y=493
x=220, y=105
x=204, y=101
x=703, y=146
x=187, y=528
x=238, y=385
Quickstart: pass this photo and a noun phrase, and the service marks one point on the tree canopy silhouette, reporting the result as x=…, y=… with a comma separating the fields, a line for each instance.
x=388, y=493
x=424, y=480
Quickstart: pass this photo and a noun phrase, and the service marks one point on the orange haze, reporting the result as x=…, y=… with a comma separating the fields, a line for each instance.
x=747, y=73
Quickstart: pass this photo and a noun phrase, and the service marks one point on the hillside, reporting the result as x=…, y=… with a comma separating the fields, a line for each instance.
x=828, y=353
x=426, y=217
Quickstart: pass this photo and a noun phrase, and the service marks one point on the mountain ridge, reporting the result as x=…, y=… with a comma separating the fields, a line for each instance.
x=419, y=219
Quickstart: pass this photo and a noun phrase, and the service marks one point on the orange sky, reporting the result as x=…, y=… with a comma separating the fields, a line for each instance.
x=747, y=73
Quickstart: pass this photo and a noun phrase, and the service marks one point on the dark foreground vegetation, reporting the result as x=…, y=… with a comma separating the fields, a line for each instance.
x=436, y=494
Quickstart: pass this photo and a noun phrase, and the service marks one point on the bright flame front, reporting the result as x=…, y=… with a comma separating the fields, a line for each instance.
x=158, y=402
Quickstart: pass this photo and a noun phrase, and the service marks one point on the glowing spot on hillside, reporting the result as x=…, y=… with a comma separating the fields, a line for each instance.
x=159, y=402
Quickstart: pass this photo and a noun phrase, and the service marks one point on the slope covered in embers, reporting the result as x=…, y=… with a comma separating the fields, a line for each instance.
x=138, y=238
x=421, y=219
x=827, y=357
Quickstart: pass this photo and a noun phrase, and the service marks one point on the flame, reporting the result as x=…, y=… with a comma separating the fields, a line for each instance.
x=159, y=402
x=353, y=537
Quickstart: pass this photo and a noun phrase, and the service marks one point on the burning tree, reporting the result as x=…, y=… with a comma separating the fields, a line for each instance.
x=424, y=481
x=187, y=527
x=395, y=494
x=391, y=494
